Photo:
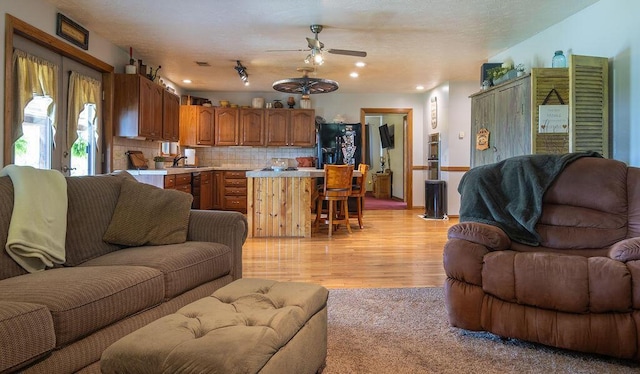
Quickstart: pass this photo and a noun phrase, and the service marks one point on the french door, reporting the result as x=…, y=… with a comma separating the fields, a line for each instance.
x=45, y=141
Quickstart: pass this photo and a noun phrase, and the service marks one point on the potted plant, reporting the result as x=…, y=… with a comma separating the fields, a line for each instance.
x=159, y=160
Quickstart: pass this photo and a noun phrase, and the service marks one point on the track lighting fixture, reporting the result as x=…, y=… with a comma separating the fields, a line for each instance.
x=242, y=72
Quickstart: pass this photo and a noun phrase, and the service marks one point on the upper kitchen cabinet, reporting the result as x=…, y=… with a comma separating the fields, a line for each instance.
x=137, y=107
x=170, y=117
x=251, y=130
x=226, y=126
x=291, y=127
x=196, y=125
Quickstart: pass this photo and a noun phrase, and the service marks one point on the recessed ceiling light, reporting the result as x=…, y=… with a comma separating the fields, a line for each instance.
x=419, y=87
x=354, y=75
x=360, y=64
x=186, y=81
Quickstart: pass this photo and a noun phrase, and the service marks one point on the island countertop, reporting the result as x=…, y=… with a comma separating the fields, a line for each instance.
x=303, y=172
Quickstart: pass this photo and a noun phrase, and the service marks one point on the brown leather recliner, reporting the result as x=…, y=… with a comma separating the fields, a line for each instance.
x=578, y=289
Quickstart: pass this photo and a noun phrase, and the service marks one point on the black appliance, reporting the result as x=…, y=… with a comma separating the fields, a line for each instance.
x=333, y=138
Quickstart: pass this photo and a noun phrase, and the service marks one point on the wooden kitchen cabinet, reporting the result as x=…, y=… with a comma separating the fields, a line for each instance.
x=137, y=107
x=180, y=182
x=170, y=117
x=290, y=127
x=217, y=186
x=251, y=129
x=196, y=125
x=226, y=126
x=235, y=190
x=206, y=190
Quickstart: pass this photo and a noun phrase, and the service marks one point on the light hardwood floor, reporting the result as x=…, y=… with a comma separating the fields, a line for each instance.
x=396, y=248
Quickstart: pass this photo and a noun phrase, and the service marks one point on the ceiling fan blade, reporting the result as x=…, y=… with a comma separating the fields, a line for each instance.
x=314, y=43
x=286, y=50
x=347, y=52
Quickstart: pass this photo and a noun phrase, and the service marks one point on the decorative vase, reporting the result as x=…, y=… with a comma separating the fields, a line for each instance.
x=291, y=102
x=277, y=104
x=305, y=102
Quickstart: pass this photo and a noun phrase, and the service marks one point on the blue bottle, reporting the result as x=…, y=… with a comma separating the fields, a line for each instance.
x=559, y=61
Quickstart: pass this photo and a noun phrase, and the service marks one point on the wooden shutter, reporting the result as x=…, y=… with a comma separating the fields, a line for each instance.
x=589, y=122
x=543, y=80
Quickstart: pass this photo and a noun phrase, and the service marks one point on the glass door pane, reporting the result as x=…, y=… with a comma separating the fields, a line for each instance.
x=35, y=146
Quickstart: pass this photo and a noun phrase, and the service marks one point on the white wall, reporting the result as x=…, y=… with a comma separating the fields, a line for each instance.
x=608, y=28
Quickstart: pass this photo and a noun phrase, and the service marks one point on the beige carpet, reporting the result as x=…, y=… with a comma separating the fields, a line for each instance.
x=406, y=331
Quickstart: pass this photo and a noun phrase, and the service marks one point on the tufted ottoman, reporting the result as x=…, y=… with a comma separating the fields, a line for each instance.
x=248, y=326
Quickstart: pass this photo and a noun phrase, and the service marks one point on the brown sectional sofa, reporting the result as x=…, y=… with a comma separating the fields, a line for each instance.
x=578, y=289
x=61, y=320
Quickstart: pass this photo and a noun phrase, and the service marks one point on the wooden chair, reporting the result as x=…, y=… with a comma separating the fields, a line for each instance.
x=337, y=188
x=358, y=191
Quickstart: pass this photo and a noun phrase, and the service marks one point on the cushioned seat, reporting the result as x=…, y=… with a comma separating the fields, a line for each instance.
x=184, y=266
x=85, y=299
x=248, y=326
x=26, y=333
x=578, y=288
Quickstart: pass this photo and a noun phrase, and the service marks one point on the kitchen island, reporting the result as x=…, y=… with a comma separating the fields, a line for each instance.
x=279, y=202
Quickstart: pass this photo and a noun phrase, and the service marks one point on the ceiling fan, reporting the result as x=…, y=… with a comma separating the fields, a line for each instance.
x=316, y=48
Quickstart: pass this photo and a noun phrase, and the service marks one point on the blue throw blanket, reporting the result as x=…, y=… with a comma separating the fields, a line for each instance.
x=508, y=194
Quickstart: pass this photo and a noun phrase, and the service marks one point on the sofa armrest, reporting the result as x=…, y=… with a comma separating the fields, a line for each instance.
x=626, y=250
x=491, y=237
x=229, y=228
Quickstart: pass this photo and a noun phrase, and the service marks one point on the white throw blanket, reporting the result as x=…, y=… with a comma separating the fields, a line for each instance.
x=38, y=227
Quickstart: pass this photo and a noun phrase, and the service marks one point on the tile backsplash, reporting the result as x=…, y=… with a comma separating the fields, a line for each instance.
x=253, y=157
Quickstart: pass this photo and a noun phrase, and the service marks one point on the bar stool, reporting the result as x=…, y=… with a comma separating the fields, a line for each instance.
x=358, y=191
x=337, y=188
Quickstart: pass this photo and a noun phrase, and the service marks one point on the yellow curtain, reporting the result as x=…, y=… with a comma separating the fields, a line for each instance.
x=83, y=90
x=34, y=76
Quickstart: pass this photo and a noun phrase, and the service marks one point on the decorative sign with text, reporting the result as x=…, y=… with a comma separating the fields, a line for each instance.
x=553, y=119
x=482, y=139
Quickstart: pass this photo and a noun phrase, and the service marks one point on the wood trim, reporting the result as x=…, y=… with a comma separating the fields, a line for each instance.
x=407, y=144
x=15, y=26
x=420, y=167
x=455, y=168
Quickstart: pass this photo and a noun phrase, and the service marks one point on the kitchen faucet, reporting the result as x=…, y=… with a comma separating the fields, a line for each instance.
x=177, y=159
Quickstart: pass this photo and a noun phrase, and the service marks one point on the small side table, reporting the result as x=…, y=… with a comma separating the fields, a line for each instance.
x=381, y=185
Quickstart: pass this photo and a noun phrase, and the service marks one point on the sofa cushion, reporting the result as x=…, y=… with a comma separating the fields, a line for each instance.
x=92, y=200
x=146, y=214
x=184, y=266
x=592, y=216
x=85, y=299
x=26, y=334
x=8, y=267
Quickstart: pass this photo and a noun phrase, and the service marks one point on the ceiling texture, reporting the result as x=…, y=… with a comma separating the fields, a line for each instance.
x=408, y=42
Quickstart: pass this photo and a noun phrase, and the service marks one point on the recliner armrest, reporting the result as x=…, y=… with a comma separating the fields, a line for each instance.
x=491, y=237
x=626, y=250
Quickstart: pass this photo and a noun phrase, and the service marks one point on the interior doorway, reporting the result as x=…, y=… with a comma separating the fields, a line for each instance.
x=407, y=142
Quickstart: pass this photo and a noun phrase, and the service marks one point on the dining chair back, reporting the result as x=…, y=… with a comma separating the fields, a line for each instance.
x=337, y=188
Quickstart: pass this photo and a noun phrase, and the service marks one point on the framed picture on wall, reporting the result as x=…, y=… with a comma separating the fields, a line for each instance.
x=72, y=32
